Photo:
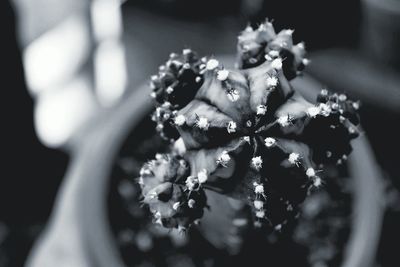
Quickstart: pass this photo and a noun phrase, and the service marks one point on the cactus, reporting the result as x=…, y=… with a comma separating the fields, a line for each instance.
x=174, y=87
x=245, y=133
x=257, y=46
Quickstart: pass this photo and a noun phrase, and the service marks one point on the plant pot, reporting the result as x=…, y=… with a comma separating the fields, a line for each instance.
x=380, y=38
x=79, y=232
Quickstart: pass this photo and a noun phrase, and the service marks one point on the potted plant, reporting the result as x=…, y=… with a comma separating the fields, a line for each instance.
x=242, y=143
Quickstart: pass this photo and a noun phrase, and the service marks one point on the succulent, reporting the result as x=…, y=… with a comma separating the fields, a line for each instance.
x=174, y=87
x=257, y=46
x=244, y=133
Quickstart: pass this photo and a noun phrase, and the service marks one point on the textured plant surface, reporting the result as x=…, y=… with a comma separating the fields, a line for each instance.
x=243, y=133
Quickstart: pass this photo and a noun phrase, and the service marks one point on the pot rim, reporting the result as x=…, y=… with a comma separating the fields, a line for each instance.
x=391, y=6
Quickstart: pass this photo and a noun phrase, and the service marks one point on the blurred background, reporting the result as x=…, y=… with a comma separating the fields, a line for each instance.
x=68, y=61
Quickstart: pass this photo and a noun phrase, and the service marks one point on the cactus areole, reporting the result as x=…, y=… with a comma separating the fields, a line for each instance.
x=244, y=132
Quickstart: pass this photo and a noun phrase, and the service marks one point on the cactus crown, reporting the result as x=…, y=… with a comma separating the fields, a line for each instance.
x=245, y=132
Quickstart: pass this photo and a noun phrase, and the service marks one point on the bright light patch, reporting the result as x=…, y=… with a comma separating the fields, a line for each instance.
x=110, y=72
x=57, y=55
x=106, y=19
x=59, y=113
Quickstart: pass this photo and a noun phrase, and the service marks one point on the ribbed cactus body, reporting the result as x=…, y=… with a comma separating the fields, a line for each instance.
x=245, y=132
x=255, y=46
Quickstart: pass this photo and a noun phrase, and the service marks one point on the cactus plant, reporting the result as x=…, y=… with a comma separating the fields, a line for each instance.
x=244, y=133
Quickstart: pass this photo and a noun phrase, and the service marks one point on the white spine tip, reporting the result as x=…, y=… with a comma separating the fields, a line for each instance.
x=202, y=176
x=313, y=111
x=261, y=110
x=277, y=64
x=324, y=92
x=294, y=158
x=310, y=172
x=191, y=182
x=269, y=141
x=258, y=204
x=301, y=46
x=202, y=123
x=224, y=158
x=233, y=95
x=342, y=97
x=268, y=57
x=272, y=81
x=256, y=162
x=246, y=139
x=176, y=205
x=222, y=75
x=325, y=110
x=248, y=29
x=260, y=214
x=186, y=51
x=305, y=61
x=180, y=120
x=289, y=31
x=212, y=64
x=273, y=53
x=284, y=121
x=258, y=188
x=191, y=203
x=231, y=128
x=317, y=181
